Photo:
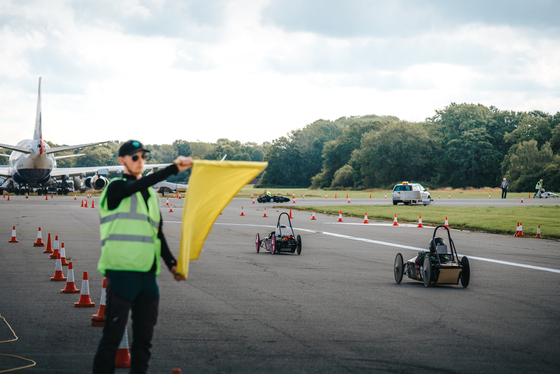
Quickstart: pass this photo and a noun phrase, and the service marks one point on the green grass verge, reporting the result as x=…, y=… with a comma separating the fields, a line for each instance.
x=501, y=220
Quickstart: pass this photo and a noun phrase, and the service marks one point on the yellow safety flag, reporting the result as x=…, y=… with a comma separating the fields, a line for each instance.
x=211, y=187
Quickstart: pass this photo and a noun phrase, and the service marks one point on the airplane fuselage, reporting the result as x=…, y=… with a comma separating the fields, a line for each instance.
x=34, y=167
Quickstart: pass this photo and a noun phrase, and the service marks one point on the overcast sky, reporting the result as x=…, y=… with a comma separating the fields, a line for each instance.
x=250, y=70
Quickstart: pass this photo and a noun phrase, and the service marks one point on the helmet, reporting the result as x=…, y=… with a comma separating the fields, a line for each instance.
x=434, y=243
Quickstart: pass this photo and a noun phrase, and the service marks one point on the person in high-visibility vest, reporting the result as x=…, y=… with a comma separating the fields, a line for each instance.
x=505, y=186
x=538, y=188
x=132, y=243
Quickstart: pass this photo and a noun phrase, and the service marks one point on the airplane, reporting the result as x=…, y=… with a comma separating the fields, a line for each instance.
x=33, y=164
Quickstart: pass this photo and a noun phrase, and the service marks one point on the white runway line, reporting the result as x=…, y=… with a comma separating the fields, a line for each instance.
x=388, y=244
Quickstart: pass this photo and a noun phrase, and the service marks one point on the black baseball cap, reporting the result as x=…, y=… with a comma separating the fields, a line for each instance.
x=131, y=147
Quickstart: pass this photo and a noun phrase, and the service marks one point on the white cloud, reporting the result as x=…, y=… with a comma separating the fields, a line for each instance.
x=161, y=71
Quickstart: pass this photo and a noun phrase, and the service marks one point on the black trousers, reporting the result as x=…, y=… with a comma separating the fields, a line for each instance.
x=144, y=317
x=504, y=193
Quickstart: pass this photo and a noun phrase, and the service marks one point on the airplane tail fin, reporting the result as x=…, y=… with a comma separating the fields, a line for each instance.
x=38, y=133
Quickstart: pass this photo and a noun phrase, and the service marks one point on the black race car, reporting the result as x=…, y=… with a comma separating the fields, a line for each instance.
x=440, y=265
x=272, y=199
x=282, y=239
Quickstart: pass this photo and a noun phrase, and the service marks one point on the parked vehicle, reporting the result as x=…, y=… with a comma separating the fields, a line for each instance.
x=411, y=193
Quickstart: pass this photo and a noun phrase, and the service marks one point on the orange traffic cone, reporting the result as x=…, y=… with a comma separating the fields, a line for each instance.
x=303, y=196
x=85, y=204
x=538, y=232
x=291, y=217
x=529, y=196
x=13, y=239
x=27, y=195
x=52, y=195
x=340, y=216
x=63, y=255
x=75, y=197
x=122, y=360
x=420, y=221
x=58, y=276
x=336, y=197
x=520, y=234
x=70, y=284
x=293, y=198
x=99, y=318
x=46, y=197
x=49, y=246
x=516, y=231
x=326, y=196
x=93, y=203
x=171, y=208
x=242, y=213
x=81, y=206
x=446, y=223
x=8, y=198
x=370, y=196
x=450, y=196
x=313, y=217
x=85, y=301
x=348, y=198
x=56, y=248
x=178, y=195
x=39, y=242
x=167, y=202
x=395, y=223
x=253, y=201
x=264, y=215
x=385, y=196
x=489, y=196
x=521, y=198
x=365, y=218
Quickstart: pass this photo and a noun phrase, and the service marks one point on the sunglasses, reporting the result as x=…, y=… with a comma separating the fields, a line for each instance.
x=136, y=157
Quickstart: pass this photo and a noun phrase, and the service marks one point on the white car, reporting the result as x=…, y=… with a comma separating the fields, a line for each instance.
x=411, y=193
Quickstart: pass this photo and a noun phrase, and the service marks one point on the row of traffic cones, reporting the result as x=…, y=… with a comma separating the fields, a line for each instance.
x=123, y=353
x=85, y=204
x=519, y=231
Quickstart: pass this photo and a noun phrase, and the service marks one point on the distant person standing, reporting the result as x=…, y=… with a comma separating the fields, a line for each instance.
x=505, y=186
x=538, y=188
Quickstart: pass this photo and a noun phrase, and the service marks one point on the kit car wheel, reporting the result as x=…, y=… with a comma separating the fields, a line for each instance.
x=273, y=244
x=427, y=271
x=466, y=272
x=258, y=242
x=399, y=268
x=298, y=245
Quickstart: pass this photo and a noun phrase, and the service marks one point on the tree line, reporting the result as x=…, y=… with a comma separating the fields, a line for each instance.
x=462, y=145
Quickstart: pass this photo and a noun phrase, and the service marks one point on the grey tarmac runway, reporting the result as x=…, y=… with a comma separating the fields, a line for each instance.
x=334, y=309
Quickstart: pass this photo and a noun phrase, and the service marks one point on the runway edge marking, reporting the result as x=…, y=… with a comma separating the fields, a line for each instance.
x=388, y=244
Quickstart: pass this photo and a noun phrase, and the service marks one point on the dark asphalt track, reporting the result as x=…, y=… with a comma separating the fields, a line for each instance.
x=334, y=309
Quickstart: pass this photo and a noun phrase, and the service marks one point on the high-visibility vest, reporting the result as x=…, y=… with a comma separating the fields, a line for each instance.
x=129, y=233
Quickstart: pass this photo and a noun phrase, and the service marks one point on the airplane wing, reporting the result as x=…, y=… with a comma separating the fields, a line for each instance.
x=69, y=147
x=102, y=170
x=16, y=148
